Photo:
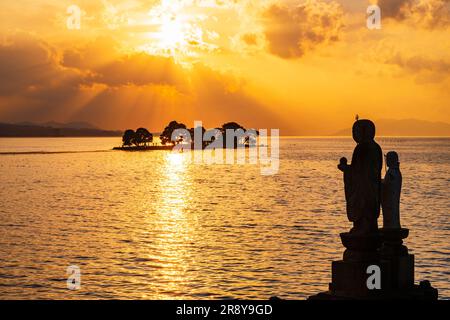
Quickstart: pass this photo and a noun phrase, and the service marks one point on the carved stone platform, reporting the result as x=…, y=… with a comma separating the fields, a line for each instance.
x=361, y=247
x=349, y=275
x=384, y=249
x=396, y=254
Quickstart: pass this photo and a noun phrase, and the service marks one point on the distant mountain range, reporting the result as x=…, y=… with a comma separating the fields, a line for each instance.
x=54, y=129
x=385, y=127
x=54, y=124
x=406, y=127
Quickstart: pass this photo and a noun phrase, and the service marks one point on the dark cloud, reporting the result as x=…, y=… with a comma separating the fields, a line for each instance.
x=424, y=69
x=395, y=8
x=291, y=32
x=92, y=54
x=32, y=80
x=139, y=69
x=417, y=64
x=430, y=14
x=107, y=65
x=27, y=65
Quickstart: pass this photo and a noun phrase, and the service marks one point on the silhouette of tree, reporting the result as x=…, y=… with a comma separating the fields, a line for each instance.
x=249, y=140
x=143, y=136
x=231, y=126
x=251, y=137
x=166, y=135
x=192, y=133
x=128, y=138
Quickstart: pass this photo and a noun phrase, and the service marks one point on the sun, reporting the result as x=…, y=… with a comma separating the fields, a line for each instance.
x=177, y=31
x=173, y=35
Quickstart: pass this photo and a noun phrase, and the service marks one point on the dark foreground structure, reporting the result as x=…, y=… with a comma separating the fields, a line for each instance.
x=375, y=265
x=351, y=275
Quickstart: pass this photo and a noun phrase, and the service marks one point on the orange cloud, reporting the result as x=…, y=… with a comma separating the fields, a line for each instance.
x=425, y=13
x=250, y=39
x=291, y=32
x=139, y=69
x=32, y=80
x=38, y=83
x=428, y=70
x=395, y=8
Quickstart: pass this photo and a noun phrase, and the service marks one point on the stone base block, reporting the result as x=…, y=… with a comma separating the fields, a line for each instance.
x=349, y=278
x=402, y=271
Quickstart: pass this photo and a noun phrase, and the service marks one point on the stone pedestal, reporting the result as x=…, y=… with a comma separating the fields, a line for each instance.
x=396, y=254
x=361, y=248
x=384, y=249
x=349, y=279
x=349, y=275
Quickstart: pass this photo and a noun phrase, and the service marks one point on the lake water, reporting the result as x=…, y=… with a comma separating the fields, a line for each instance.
x=155, y=226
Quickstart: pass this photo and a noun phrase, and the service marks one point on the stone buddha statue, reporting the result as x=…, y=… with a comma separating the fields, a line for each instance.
x=362, y=179
x=391, y=189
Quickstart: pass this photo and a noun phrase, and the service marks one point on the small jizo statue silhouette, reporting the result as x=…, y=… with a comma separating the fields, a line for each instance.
x=391, y=190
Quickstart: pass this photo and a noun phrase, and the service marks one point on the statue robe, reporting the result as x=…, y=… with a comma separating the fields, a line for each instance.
x=363, y=186
x=391, y=190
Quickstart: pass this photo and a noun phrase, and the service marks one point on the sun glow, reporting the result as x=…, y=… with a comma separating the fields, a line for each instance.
x=178, y=31
x=173, y=35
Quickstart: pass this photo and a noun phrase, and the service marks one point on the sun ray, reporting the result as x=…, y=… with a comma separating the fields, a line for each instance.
x=179, y=33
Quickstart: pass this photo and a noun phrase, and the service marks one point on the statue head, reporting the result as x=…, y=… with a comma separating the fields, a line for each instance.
x=392, y=160
x=363, y=131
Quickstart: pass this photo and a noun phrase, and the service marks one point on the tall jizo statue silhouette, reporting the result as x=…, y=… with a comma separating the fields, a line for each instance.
x=362, y=179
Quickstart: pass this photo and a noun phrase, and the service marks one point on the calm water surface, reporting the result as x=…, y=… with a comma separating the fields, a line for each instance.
x=154, y=226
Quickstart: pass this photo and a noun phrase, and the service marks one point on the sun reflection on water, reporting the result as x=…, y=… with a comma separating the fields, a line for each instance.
x=174, y=226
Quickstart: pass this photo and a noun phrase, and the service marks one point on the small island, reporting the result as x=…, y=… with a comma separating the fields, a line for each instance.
x=143, y=140
x=140, y=140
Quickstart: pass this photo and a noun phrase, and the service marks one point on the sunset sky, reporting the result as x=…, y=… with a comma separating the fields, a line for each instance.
x=306, y=67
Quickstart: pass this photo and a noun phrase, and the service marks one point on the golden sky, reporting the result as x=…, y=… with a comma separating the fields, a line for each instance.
x=303, y=66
